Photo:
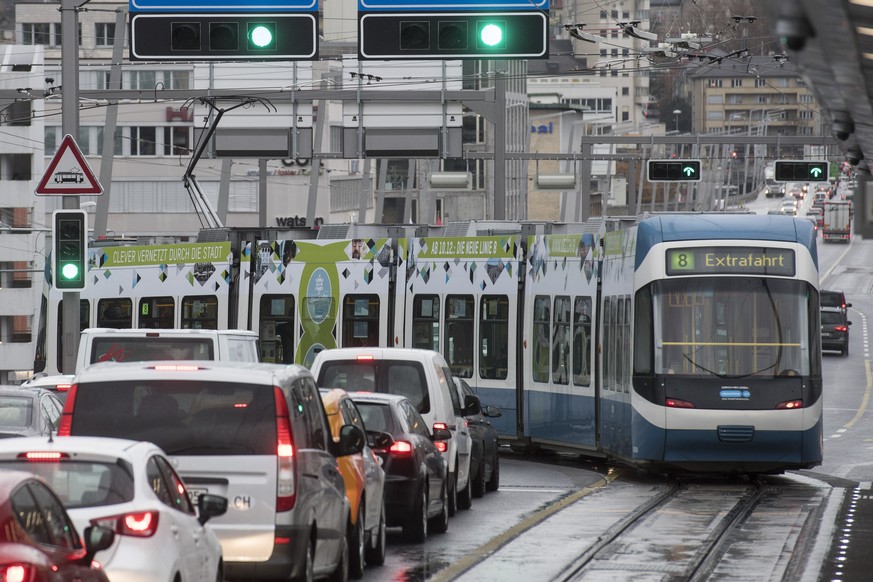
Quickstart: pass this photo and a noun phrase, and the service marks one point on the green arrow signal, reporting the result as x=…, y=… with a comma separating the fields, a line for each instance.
x=816, y=172
x=688, y=171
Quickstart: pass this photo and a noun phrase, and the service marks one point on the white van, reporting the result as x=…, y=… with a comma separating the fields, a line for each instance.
x=254, y=433
x=425, y=379
x=101, y=344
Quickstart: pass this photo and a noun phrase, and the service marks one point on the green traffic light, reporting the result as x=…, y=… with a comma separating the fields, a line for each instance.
x=491, y=35
x=262, y=36
x=70, y=271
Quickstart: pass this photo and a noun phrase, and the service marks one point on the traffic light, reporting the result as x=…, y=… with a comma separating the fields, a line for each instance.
x=456, y=35
x=70, y=256
x=801, y=171
x=223, y=37
x=674, y=170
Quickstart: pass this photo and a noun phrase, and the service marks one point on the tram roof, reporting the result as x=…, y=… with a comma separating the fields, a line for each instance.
x=718, y=226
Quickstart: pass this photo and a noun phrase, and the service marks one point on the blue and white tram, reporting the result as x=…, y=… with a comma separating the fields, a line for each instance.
x=711, y=354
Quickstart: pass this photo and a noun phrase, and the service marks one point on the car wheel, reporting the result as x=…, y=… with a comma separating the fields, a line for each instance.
x=494, y=481
x=309, y=567
x=453, y=493
x=465, y=498
x=415, y=527
x=845, y=350
x=375, y=554
x=356, y=545
x=440, y=523
x=219, y=573
x=478, y=482
x=341, y=574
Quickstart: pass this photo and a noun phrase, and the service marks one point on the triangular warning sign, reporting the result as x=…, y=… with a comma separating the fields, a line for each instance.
x=68, y=173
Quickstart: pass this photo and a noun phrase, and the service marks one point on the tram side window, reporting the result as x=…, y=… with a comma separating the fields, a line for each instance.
x=360, y=321
x=542, y=323
x=561, y=341
x=624, y=352
x=84, y=321
x=157, y=312
x=200, y=312
x=426, y=322
x=608, y=340
x=643, y=333
x=494, y=337
x=116, y=313
x=582, y=341
x=276, y=328
x=460, y=334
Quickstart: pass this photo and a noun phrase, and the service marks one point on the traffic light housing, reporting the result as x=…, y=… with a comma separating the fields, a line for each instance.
x=224, y=36
x=802, y=171
x=453, y=35
x=674, y=170
x=70, y=253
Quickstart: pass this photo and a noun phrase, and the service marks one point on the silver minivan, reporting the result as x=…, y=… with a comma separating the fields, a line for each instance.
x=254, y=433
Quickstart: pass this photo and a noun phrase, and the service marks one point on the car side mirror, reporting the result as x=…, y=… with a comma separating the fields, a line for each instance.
x=209, y=506
x=351, y=441
x=440, y=433
x=848, y=305
x=848, y=323
x=471, y=405
x=97, y=538
x=492, y=411
x=379, y=440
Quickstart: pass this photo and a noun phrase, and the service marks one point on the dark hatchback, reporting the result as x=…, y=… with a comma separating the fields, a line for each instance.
x=484, y=460
x=835, y=330
x=829, y=298
x=416, y=497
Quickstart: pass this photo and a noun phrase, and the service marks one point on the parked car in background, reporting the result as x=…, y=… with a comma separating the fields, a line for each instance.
x=835, y=330
x=28, y=412
x=484, y=461
x=365, y=486
x=424, y=377
x=132, y=489
x=38, y=540
x=254, y=433
x=59, y=384
x=416, y=474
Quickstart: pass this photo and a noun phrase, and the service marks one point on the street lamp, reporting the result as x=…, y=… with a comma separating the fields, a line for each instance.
x=676, y=114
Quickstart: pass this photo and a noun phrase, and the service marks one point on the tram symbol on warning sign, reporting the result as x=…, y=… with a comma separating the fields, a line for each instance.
x=68, y=173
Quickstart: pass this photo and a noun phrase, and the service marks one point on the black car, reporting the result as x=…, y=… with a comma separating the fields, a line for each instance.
x=835, y=330
x=829, y=298
x=28, y=411
x=416, y=496
x=484, y=460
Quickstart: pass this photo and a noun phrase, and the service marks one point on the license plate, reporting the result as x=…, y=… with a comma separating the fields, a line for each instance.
x=195, y=492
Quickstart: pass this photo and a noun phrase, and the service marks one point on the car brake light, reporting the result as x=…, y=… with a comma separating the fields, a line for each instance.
x=441, y=425
x=790, y=405
x=286, y=486
x=841, y=328
x=676, y=403
x=400, y=448
x=43, y=456
x=442, y=446
x=15, y=573
x=364, y=357
x=66, y=424
x=138, y=524
x=63, y=387
x=176, y=368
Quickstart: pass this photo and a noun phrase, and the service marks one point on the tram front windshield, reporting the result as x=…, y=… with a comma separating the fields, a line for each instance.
x=733, y=327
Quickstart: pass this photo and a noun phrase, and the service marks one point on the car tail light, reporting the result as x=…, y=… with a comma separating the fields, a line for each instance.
x=442, y=446
x=841, y=328
x=66, y=424
x=676, y=403
x=286, y=486
x=441, y=425
x=16, y=573
x=365, y=357
x=401, y=449
x=790, y=405
x=176, y=368
x=63, y=387
x=138, y=524
x=43, y=456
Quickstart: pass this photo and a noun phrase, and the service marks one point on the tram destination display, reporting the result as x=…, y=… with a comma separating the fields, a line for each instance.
x=730, y=260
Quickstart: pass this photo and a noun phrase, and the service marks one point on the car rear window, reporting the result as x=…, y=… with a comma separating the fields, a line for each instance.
x=831, y=299
x=15, y=411
x=81, y=483
x=386, y=376
x=831, y=317
x=377, y=417
x=182, y=417
x=142, y=349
